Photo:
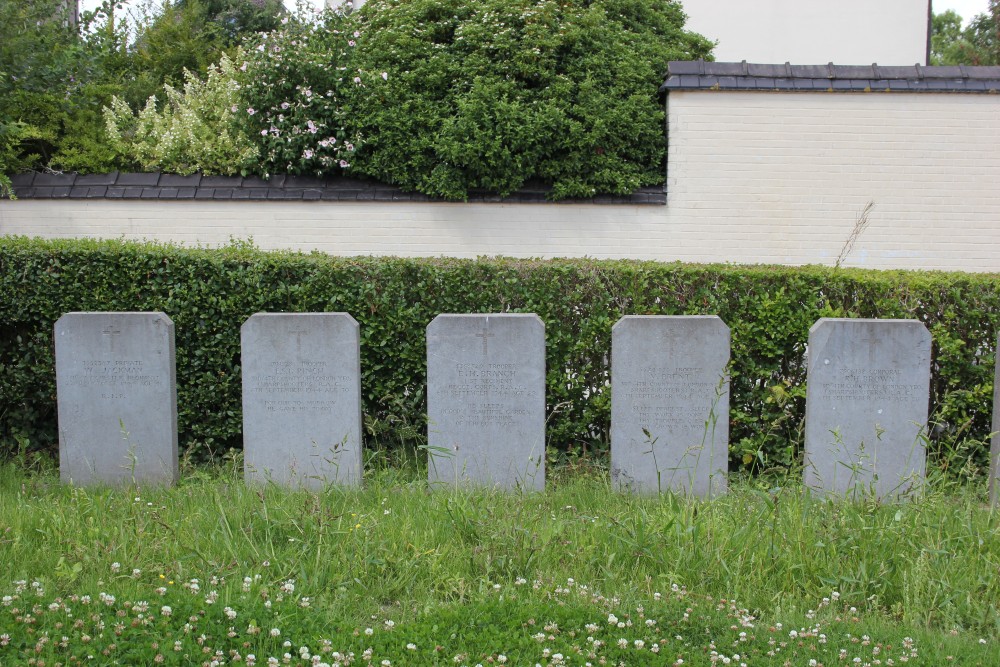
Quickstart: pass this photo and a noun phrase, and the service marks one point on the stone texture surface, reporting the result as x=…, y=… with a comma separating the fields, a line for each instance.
x=670, y=404
x=866, y=407
x=301, y=399
x=486, y=400
x=117, y=398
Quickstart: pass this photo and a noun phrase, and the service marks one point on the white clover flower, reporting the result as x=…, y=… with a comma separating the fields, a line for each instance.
x=116, y=566
x=622, y=643
x=369, y=632
x=612, y=619
x=275, y=632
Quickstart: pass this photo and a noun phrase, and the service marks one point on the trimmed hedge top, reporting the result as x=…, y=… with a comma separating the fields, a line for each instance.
x=210, y=293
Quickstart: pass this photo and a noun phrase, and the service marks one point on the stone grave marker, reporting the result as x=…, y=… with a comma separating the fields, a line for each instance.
x=301, y=399
x=995, y=438
x=866, y=407
x=670, y=404
x=117, y=398
x=486, y=400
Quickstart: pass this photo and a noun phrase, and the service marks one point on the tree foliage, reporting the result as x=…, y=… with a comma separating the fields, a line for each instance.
x=489, y=94
x=977, y=44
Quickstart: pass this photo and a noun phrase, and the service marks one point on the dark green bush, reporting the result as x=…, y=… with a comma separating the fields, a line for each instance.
x=488, y=94
x=210, y=293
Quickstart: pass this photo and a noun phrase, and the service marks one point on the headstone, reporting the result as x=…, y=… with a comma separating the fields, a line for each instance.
x=866, y=407
x=117, y=398
x=486, y=400
x=995, y=438
x=301, y=399
x=670, y=404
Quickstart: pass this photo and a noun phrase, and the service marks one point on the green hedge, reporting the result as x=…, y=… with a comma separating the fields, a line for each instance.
x=209, y=293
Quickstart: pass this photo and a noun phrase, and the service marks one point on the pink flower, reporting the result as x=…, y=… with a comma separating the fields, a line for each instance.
x=243, y=67
x=357, y=34
x=307, y=154
x=357, y=79
x=344, y=164
x=284, y=105
x=385, y=76
x=234, y=108
x=263, y=133
x=350, y=42
x=251, y=111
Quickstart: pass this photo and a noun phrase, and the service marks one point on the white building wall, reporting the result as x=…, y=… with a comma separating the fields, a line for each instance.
x=776, y=178
x=803, y=32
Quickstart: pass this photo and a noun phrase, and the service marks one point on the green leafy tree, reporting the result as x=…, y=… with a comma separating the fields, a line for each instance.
x=978, y=44
x=491, y=94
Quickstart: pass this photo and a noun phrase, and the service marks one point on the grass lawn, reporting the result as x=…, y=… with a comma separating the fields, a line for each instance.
x=214, y=572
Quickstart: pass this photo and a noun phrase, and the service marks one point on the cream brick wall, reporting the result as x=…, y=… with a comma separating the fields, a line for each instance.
x=753, y=178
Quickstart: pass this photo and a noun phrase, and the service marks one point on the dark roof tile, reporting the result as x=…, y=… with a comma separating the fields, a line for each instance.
x=770, y=71
x=304, y=182
x=51, y=180
x=221, y=181
x=147, y=180
x=292, y=188
x=176, y=180
x=97, y=179
x=697, y=75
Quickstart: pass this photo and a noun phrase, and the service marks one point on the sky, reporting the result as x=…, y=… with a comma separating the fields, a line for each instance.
x=965, y=8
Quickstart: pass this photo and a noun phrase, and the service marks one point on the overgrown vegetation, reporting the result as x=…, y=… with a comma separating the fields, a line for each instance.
x=57, y=77
x=214, y=570
x=438, y=96
x=975, y=44
x=210, y=293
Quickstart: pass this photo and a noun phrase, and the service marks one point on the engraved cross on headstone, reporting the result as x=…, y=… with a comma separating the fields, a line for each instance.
x=872, y=345
x=485, y=335
x=670, y=338
x=298, y=333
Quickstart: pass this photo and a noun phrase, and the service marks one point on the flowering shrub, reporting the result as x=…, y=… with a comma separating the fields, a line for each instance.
x=199, y=129
x=294, y=84
x=492, y=93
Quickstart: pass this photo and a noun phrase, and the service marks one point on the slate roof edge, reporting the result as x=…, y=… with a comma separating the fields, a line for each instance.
x=165, y=187
x=874, y=78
